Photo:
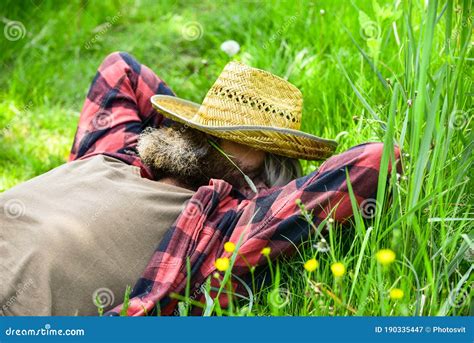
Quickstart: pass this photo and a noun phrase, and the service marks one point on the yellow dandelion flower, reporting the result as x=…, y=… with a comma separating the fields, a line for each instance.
x=266, y=251
x=396, y=293
x=229, y=247
x=222, y=264
x=311, y=265
x=385, y=256
x=338, y=269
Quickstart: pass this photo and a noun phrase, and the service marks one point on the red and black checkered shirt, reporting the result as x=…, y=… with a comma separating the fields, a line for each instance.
x=118, y=109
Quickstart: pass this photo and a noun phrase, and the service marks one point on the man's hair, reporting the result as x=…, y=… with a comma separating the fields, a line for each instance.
x=279, y=170
x=186, y=155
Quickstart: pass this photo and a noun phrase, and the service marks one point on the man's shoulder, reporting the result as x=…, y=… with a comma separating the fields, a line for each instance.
x=95, y=167
x=101, y=161
x=97, y=164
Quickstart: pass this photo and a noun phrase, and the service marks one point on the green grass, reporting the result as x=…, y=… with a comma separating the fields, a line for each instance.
x=368, y=72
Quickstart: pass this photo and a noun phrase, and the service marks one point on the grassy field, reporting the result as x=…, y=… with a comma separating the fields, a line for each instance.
x=392, y=71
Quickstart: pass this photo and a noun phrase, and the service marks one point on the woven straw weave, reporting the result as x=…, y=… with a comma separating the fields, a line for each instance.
x=253, y=107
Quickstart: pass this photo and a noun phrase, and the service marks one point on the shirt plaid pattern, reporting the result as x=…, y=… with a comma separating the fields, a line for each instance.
x=117, y=109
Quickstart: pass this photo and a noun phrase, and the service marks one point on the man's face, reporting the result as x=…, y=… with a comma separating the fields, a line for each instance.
x=246, y=157
x=186, y=155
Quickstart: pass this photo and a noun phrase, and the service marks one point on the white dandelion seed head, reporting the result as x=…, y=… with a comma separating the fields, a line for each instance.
x=230, y=47
x=322, y=246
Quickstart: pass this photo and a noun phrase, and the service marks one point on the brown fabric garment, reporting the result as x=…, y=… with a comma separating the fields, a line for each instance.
x=85, y=226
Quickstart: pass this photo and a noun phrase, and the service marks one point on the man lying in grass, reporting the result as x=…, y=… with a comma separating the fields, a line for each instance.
x=148, y=188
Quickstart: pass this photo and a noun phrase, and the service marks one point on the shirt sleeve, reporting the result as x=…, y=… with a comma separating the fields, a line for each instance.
x=117, y=109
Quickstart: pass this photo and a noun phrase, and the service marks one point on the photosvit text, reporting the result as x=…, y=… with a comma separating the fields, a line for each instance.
x=419, y=329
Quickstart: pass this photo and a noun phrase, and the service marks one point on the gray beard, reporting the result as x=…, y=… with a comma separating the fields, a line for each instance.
x=186, y=155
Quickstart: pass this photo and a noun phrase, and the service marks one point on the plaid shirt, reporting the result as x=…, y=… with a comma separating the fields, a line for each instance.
x=118, y=108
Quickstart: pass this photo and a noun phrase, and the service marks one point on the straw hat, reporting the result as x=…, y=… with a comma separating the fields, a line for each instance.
x=252, y=107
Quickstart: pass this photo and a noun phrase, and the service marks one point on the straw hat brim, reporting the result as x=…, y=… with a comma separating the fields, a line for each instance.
x=280, y=141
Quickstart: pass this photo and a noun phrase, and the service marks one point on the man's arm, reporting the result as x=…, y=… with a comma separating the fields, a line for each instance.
x=272, y=219
x=117, y=109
